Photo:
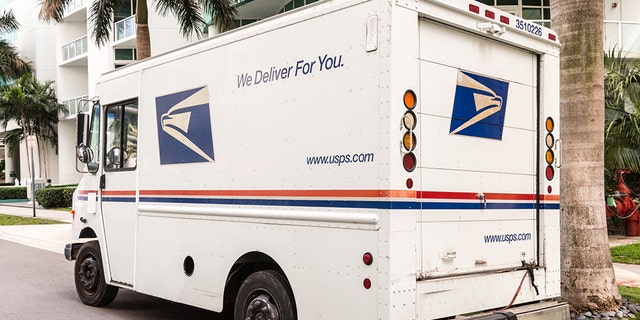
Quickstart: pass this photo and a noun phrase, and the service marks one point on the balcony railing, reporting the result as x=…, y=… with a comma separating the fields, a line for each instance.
x=73, y=105
x=74, y=48
x=622, y=35
x=75, y=4
x=125, y=28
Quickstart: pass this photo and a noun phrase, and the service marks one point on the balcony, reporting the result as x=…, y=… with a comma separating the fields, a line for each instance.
x=622, y=35
x=76, y=11
x=125, y=31
x=73, y=106
x=74, y=53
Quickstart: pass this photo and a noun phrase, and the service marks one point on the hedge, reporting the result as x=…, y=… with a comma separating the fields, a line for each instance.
x=13, y=193
x=55, y=197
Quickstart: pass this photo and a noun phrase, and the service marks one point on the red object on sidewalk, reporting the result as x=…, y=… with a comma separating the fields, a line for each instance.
x=625, y=208
x=631, y=225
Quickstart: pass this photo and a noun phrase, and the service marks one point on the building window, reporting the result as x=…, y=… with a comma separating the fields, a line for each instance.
x=243, y=22
x=294, y=4
x=537, y=11
x=124, y=56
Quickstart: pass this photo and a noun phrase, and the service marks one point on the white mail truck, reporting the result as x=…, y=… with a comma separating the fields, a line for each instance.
x=351, y=159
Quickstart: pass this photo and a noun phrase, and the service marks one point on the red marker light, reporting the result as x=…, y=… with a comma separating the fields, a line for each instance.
x=549, y=173
x=552, y=37
x=366, y=283
x=489, y=14
x=504, y=19
x=474, y=8
x=409, y=161
x=367, y=258
x=409, y=183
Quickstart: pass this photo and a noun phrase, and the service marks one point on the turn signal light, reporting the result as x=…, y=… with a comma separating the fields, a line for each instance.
x=409, y=122
x=549, y=156
x=549, y=124
x=409, y=99
x=409, y=141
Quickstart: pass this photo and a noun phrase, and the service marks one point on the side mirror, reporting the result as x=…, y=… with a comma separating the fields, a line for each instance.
x=82, y=126
x=83, y=153
x=116, y=157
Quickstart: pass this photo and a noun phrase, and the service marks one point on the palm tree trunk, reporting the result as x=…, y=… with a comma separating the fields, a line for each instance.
x=588, y=280
x=143, y=39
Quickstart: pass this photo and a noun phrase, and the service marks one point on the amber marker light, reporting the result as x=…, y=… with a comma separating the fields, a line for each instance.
x=549, y=156
x=409, y=141
x=409, y=99
x=549, y=125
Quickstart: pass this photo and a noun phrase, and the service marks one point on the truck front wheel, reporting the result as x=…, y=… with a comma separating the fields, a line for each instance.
x=264, y=295
x=89, y=277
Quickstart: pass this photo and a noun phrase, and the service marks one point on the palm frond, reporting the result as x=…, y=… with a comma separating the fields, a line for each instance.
x=222, y=12
x=100, y=18
x=8, y=22
x=53, y=10
x=188, y=14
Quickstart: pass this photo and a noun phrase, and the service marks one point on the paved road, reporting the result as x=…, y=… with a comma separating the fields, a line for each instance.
x=37, y=284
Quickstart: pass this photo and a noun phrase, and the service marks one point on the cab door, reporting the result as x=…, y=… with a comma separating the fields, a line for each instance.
x=118, y=200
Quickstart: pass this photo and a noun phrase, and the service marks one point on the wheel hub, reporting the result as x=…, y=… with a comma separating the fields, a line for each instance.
x=262, y=308
x=89, y=274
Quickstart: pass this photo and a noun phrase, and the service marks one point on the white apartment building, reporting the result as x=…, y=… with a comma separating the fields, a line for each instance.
x=66, y=53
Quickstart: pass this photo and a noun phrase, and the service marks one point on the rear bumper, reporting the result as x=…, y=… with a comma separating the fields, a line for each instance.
x=545, y=310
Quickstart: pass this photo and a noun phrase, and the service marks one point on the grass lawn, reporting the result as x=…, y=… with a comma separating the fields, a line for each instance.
x=630, y=293
x=626, y=254
x=7, y=220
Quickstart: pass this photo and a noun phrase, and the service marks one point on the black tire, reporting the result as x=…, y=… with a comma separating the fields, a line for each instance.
x=89, y=277
x=265, y=295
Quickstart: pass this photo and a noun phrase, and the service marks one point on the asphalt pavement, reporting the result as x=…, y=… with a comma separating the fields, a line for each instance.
x=54, y=237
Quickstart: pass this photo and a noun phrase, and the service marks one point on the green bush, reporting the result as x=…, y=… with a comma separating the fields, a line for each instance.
x=55, y=197
x=13, y=193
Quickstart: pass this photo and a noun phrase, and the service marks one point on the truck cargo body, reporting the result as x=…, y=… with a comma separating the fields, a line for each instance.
x=378, y=159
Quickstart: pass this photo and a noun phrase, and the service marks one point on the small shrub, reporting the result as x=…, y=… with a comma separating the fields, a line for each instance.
x=13, y=193
x=55, y=197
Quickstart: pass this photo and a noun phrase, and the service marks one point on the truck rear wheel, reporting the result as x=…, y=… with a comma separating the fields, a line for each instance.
x=264, y=295
x=89, y=277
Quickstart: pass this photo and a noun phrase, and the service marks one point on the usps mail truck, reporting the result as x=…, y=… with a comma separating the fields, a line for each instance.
x=351, y=159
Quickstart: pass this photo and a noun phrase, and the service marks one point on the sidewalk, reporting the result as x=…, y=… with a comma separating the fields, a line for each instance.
x=54, y=237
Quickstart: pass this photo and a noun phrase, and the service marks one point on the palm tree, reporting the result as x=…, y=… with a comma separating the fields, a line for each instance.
x=188, y=12
x=587, y=276
x=11, y=65
x=622, y=120
x=33, y=106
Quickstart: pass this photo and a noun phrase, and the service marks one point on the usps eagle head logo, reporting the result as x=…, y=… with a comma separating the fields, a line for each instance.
x=184, y=127
x=479, y=106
